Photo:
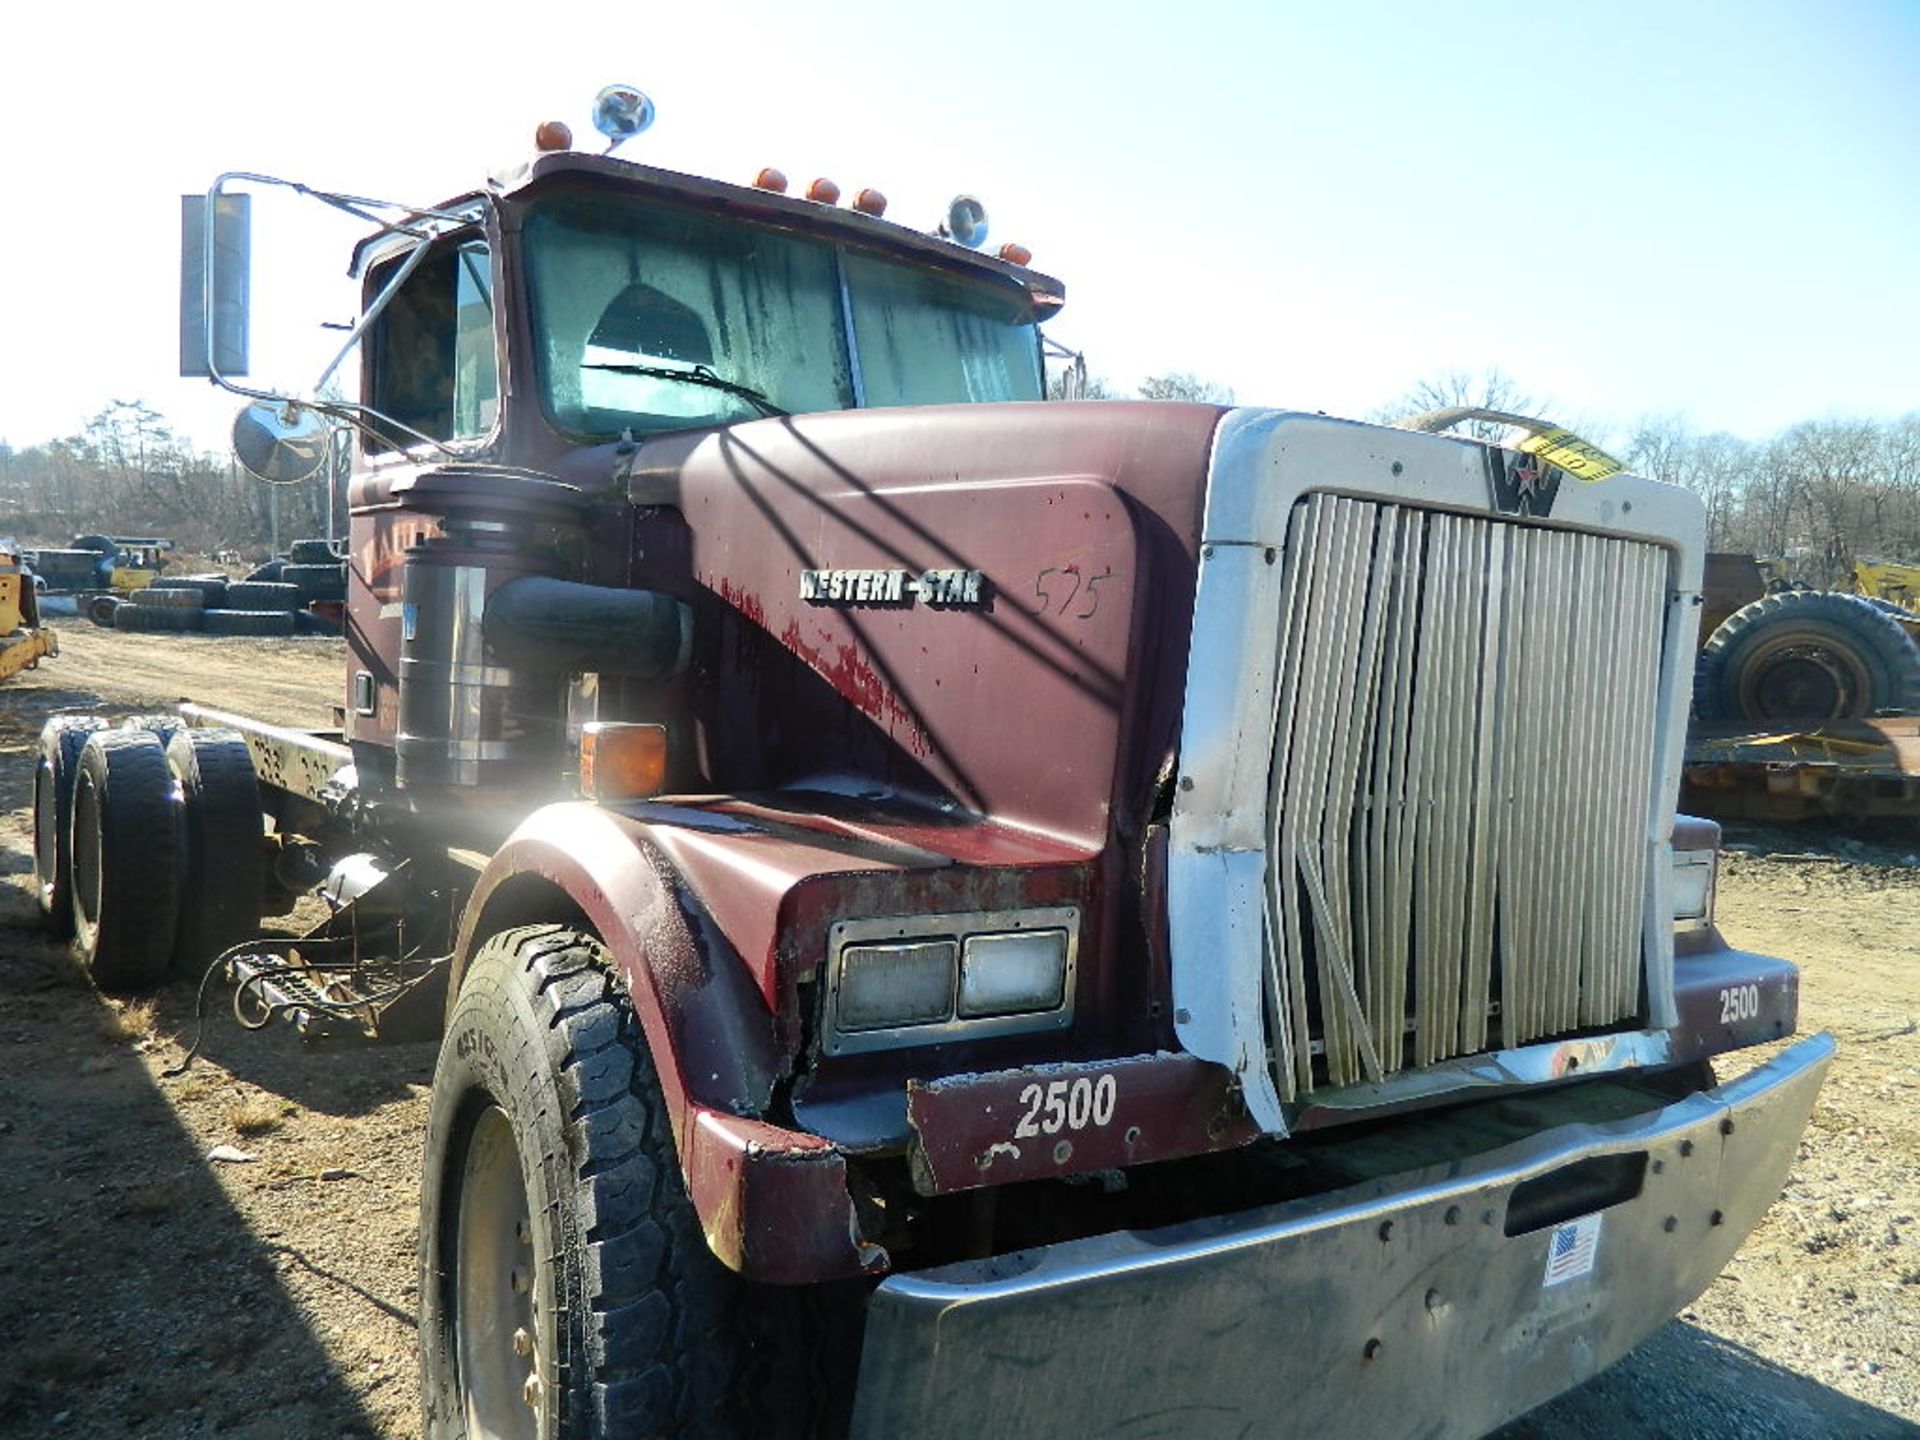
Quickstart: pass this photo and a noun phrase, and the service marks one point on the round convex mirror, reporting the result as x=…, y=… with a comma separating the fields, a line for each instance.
x=281, y=443
x=966, y=222
x=621, y=112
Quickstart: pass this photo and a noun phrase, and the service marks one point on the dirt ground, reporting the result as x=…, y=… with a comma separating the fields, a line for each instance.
x=152, y=1291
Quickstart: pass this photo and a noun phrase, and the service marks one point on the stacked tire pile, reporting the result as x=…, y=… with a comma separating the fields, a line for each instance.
x=299, y=595
x=147, y=845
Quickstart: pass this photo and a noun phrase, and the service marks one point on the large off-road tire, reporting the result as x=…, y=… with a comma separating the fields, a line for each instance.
x=261, y=595
x=212, y=587
x=317, y=582
x=223, y=855
x=318, y=551
x=61, y=739
x=247, y=622
x=153, y=619
x=126, y=859
x=1804, y=656
x=169, y=598
x=101, y=608
x=552, y=1204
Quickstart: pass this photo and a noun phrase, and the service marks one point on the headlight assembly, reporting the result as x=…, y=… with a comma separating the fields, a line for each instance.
x=1692, y=886
x=929, y=979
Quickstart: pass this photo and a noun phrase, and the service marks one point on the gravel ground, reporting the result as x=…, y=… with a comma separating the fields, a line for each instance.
x=153, y=1292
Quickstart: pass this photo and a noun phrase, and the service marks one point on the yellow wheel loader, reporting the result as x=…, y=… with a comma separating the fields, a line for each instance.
x=22, y=639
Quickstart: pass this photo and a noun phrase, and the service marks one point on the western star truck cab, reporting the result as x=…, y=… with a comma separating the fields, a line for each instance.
x=950, y=910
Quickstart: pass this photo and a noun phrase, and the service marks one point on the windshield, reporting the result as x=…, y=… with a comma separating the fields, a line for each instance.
x=652, y=318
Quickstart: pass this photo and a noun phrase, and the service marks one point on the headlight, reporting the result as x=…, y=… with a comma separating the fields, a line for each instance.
x=1692, y=886
x=927, y=979
x=887, y=985
x=1013, y=974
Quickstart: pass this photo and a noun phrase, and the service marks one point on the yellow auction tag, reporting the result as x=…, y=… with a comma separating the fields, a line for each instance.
x=1566, y=451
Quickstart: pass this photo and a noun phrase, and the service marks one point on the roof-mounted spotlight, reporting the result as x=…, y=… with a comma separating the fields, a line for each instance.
x=966, y=222
x=621, y=112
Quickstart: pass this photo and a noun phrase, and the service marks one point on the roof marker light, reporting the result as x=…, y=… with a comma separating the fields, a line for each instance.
x=771, y=179
x=552, y=135
x=1014, y=253
x=824, y=191
x=870, y=202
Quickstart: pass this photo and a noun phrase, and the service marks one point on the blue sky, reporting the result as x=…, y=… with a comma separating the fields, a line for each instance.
x=1706, y=209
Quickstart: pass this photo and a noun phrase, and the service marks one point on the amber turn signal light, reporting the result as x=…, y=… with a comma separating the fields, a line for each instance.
x=620, y=761
x=824, y=191
x=771, y=179
x=553, y=135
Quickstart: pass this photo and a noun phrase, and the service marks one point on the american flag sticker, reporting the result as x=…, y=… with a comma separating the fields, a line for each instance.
x=1570, y=1253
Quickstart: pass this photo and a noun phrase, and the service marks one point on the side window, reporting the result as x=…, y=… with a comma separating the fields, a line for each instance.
x=431, y=357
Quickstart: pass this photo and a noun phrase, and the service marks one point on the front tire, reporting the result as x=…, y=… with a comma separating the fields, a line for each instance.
x=566, y=1288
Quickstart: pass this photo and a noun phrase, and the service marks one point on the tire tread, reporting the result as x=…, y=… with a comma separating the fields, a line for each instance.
x=127, y=945
x=669, y=1334
x=1888, y=652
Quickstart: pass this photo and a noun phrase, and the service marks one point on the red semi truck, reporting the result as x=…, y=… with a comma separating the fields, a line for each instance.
x=946, y=909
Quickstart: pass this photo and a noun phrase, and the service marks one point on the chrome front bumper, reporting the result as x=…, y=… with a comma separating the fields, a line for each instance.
x=1401, y=1308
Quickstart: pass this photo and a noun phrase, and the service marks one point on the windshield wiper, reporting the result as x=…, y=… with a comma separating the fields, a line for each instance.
x=697, y=375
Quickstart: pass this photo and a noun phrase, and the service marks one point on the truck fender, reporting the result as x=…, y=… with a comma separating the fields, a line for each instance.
x=773, y=1202
x=706, y=1022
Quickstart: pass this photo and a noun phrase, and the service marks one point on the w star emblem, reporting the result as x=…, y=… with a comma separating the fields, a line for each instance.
x=1522, y=484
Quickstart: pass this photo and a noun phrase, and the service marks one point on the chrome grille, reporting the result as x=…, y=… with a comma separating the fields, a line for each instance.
x=1462, y=765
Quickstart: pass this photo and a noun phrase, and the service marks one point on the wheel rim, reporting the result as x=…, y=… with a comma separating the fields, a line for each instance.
x=494, y=1313
x=1798, y=678
x=85, y=856
x=46, y=834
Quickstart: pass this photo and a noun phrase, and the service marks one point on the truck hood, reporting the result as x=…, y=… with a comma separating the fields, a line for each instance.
x=987, y=603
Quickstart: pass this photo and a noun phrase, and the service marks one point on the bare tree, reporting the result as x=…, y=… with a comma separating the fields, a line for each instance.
x=1183, y=385
x=1489, y=389
x=1712, y=466
x=1095, y=388
x=128, y=472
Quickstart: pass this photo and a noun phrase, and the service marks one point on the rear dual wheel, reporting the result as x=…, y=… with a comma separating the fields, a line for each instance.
x=147, y=845
x=61, y=740
x=223, y=859
x=126, y=850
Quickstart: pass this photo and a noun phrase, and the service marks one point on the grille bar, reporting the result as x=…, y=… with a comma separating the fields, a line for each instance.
x=1462, y=759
